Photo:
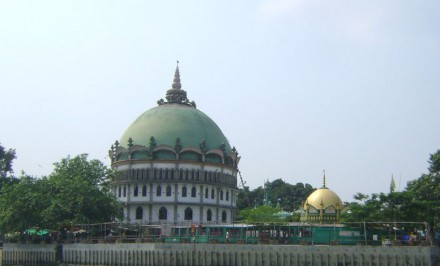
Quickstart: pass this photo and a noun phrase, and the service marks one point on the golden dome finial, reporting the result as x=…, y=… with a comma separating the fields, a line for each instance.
x=323, y=181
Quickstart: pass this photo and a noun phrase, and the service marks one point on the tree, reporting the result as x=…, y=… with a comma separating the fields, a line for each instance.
x=426, y=198
x=261, y=214
x=21, y=204
x=6, y=158
x=426, y=193
x=243, y=198
x=76, y=192
x=80, y=193
x=365, y=208
x=417, y=203
x=291, y=196
x=249, y=199
x=434, y=163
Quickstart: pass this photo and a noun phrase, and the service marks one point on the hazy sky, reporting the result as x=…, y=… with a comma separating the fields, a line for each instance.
x=297, y=86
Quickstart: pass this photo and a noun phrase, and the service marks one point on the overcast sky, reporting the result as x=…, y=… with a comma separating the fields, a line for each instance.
x=297, y=86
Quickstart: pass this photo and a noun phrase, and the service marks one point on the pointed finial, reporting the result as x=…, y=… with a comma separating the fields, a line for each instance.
x=175, y=94
x=323, y=181
x=393, y=184
x=176, y=82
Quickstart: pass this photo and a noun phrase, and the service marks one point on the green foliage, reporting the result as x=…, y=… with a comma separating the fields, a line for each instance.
x=425, y=194
x=21, y=204
x=262, y=214
x=76, y=192
x=365, y=208
x=426, y=198
x=80, y=193
x=290, y=196
x=249, y=199
x=6, y=158
x=419, y=202
x=395, y=206
x=434, y=163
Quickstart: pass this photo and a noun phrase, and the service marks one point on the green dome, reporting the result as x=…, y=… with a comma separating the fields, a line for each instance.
x=170, y=121
x=174, y=130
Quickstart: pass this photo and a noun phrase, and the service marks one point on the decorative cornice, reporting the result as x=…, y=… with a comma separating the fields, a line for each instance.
x=230, y=159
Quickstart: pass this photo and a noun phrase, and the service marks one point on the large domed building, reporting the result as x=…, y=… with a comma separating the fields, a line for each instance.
x=175, y=165
x=322, y=206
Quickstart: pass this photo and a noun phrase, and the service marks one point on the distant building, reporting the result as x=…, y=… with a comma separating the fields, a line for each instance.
x=174, y=165
x=322, y=206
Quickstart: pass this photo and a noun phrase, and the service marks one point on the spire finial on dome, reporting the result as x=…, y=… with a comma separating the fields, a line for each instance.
x=175, y=94
x=323, y=181
x=176, y=81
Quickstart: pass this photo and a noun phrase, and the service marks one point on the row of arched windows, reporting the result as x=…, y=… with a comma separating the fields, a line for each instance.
x=183, y=174
x=159, y=191
x=168, y=192
x=163, y=214
x=212, y=194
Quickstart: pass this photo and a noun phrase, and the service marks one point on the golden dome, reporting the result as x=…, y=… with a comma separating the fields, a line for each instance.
x=323, y=198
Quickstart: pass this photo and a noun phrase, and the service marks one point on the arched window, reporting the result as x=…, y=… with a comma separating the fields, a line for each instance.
x=158, y=191
x=224, y=216
x=206, y=193
x=188, y=214
x=212, y=193
x=144, y=191
x=227, y=195
x=168, y=192
x=184, y=191
x=221, y=195
x=119, y=191
x=139, y=213
x=135, y=191
x=163, y=213
x=209, y=215
x=193, y=192
x=125, y=191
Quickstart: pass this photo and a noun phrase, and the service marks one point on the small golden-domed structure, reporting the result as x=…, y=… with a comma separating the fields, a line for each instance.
x=322, y=206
